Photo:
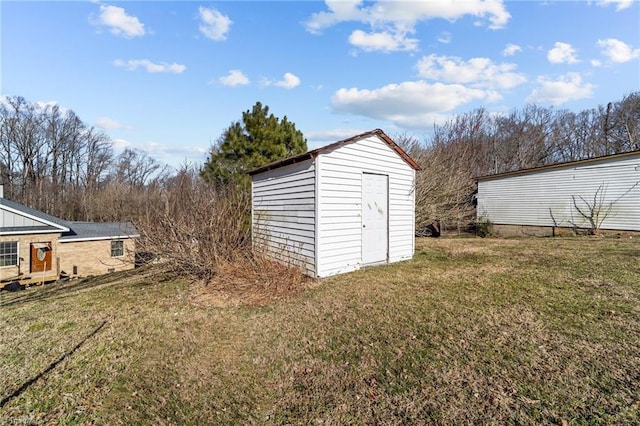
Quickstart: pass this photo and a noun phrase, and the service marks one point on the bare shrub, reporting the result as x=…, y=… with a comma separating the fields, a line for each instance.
x=197, y=226
x=203, y=232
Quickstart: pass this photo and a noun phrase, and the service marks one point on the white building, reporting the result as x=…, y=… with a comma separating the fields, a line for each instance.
x=605, y=190
x=337, y=208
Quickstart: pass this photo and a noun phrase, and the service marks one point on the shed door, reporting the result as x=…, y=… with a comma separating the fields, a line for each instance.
x=375, y=190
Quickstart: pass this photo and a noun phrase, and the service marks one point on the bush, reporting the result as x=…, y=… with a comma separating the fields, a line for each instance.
x=484, y=227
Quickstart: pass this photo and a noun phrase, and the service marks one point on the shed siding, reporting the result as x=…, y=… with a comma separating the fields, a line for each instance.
x=340, y=204
x=283, y=213
x=533, y=198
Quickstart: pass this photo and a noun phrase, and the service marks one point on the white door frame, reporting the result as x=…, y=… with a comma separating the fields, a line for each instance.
x=375, y=241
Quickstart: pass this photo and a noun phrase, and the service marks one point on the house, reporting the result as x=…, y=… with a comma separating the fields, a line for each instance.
x=598, y=193
x=37, y=247
x=337, y=208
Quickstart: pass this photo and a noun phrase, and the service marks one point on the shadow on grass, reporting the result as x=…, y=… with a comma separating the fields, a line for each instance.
x=60, y=289
x=51, y=366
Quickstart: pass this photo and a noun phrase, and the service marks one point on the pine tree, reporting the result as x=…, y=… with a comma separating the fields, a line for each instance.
x=260, y=139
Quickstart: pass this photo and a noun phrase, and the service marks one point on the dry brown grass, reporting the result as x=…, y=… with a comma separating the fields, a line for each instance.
x=253, y=280
x=472, y=331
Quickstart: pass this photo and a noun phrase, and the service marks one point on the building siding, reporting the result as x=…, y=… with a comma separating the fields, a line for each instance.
x=94, y=257
x=340, y=204
x=546, y=197
x=283, y=213
x=10, y=219
x=23, y=269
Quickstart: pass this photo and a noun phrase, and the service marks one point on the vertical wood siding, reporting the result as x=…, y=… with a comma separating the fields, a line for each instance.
x=340, y=204
x=283, y=213
x=533, y=198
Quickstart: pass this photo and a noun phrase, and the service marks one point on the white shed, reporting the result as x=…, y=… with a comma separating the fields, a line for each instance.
x=565, y=195
x=337, y=208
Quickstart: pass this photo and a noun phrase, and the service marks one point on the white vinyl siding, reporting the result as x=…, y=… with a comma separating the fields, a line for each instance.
x=538, y=197
x=340, y=204
x=10, y=220
x=310, y=213
x=283, y=213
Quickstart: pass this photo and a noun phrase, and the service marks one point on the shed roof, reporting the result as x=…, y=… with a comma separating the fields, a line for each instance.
x=71, y=231
x=559, y=165
x=328, y=148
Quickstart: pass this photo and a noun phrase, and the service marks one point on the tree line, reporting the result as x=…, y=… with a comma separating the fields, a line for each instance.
x=52, y=161
x=480, y=143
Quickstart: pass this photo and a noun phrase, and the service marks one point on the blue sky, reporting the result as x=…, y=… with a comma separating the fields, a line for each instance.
x=169, y=77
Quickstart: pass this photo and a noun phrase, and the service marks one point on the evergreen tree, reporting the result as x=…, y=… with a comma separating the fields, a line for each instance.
x=260, y=139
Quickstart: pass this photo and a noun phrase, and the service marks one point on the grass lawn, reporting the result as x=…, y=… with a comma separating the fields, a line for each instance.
x=520, y=331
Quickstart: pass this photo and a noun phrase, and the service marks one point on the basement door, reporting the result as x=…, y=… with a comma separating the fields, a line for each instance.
x=375, y=223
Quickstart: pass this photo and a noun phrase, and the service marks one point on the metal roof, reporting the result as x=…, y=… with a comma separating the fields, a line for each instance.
x=328, y=148
x=559, y=165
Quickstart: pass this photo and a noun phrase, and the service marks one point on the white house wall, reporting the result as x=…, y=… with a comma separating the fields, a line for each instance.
x=546, y=197
x=339, y=177
x=283, y=213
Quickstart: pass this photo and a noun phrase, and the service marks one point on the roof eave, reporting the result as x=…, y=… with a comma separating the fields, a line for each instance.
x=314, y=153
x=110, y=237
x=557, y=166
x=32, y=217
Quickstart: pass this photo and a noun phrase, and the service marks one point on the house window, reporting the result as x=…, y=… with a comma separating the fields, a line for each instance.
x=8, y=253
x=117, y=248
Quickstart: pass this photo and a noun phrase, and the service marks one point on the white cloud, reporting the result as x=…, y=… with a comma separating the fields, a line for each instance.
x=234, y=78
x=481, y=72
x=411, y=103
x=568, y=87
x=511, y=49
x=384, y=41
x=407, y=13
x=620, y=4
x=119, y=23
x=214, y=25
x=108, y=123
x=618, y=51
x=391, y=21
x=339, y=11
x=288, y=82
x=149, y=66
x=562, y=53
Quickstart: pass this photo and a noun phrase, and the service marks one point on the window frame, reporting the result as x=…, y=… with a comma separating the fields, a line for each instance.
x=10, y=254
x=117, y=248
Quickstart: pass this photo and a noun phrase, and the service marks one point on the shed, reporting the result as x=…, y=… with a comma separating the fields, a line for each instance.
x=567, y=195
x=337, y=208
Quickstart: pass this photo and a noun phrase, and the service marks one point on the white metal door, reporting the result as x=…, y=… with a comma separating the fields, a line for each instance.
x=375, y=189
